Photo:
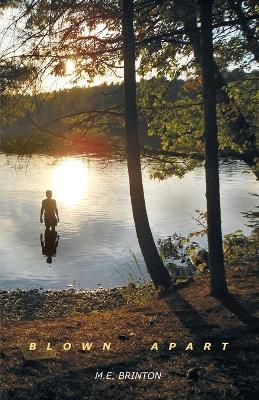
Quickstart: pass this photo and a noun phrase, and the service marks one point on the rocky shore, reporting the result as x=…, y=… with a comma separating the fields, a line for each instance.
x=35, y=303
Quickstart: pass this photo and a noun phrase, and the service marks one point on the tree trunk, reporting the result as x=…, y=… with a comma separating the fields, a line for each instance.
x=249, y=33
x=155, y=266
x=239, y=128
x=216, y=257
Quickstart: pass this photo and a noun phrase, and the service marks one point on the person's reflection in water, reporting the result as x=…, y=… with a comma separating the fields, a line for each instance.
x=49, y=244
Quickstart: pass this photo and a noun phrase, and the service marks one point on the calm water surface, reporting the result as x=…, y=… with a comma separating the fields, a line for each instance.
x=96, y=230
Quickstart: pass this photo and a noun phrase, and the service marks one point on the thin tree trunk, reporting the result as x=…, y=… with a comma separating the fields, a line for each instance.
x=155, y=266
x=216, y=256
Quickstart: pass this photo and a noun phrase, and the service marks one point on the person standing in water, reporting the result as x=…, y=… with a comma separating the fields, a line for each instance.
x=49, y=208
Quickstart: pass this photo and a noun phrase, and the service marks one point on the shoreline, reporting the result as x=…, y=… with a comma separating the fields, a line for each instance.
x=22, y=304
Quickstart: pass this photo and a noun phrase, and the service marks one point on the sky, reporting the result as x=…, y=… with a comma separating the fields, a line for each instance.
x=9, y=46
x=9, y=41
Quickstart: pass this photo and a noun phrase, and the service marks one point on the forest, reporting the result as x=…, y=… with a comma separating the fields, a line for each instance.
x=61, y=112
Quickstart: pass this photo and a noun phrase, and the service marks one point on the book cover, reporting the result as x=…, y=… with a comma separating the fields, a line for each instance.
x=129, y=199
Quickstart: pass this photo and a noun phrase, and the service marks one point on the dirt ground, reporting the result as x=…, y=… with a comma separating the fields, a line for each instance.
x=187, y=315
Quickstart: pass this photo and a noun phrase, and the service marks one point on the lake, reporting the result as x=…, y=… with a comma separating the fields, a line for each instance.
x=97, y=238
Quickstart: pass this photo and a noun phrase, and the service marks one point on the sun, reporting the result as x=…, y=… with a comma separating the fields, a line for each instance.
x=70, y=67
x=70, y=181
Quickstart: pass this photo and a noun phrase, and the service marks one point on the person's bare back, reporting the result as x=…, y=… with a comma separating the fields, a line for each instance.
x=50, y=211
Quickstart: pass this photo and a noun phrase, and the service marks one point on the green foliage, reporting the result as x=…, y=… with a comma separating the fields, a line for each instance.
x=182, y=255
x=14, y=79
x=240, y=249
x=165, y=167
x=173, y=111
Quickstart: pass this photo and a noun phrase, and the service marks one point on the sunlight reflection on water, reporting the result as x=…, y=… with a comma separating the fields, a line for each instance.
x=70, y=181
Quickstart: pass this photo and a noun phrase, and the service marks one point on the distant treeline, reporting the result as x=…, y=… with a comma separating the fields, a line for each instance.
x=54, y=118
x=81, y=109
x=48, y=110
